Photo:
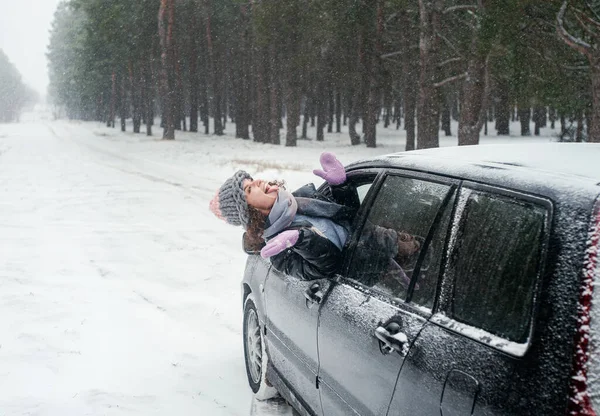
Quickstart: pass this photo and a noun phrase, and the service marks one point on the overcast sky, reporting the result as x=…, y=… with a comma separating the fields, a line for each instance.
x=24, y=35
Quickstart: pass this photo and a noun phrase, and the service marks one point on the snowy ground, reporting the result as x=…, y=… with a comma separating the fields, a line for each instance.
x=119, y=290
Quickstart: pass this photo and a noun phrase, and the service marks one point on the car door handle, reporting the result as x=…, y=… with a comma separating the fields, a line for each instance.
x=391, y=338
x=314, y=294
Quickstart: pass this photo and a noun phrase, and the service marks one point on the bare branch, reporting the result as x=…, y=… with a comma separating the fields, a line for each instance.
x=450, y=44
x=587, y=3
x=449, y=61
x=449, y=80
x=586, y=18
x=460, y=7
x=577, y=68
x=389, y=55
x=397, y=61
x=577, y=44
x=582, y=24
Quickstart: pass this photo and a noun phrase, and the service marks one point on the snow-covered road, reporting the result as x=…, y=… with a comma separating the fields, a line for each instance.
x=112, y=299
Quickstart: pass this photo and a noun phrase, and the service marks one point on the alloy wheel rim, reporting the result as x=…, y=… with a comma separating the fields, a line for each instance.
x=253, y=346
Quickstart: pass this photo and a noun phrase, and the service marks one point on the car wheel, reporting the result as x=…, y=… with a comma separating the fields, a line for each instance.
x=255, y=353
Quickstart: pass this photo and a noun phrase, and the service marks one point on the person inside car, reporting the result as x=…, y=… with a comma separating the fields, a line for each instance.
x=305, y=230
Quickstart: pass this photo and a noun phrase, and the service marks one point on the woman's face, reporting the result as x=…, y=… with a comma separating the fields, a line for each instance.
x=260, y=195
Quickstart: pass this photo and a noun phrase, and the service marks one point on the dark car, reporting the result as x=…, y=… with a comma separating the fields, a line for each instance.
x=497, y=316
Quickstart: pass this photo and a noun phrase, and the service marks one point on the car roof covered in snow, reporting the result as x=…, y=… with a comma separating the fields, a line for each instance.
x=548, y=169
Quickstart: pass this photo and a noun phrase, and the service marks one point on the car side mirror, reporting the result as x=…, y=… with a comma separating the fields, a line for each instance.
x=248, y=247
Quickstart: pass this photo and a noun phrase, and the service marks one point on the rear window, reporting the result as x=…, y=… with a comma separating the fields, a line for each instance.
x=495, y=260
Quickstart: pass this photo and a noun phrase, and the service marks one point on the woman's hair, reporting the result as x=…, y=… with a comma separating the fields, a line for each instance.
x=256, y=224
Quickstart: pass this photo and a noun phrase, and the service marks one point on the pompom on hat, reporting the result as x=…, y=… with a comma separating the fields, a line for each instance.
x=229, y=203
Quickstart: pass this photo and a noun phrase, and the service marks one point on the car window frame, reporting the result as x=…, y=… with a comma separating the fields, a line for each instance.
x=454, y=185
x=443, y=313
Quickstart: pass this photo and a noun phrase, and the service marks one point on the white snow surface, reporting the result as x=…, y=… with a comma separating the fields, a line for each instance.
x=119, y=290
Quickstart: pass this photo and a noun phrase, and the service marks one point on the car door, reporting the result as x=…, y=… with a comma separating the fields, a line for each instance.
x=366, y=326
x=472, y=357
x=291, y=319
x=291, y=334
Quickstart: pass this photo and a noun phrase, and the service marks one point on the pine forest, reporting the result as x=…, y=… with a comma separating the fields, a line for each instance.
x=274, y=67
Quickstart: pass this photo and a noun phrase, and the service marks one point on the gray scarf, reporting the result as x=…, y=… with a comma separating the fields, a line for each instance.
x=282, y=213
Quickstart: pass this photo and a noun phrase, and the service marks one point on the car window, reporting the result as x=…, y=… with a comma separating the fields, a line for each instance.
x=390, y=241
x=362, y=191
x=426, y=285
x=494, y=261
x=354, y=192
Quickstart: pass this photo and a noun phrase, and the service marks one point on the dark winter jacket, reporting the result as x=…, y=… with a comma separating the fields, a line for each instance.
x=314, y=256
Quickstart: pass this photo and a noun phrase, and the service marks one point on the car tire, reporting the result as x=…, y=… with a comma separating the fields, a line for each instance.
x=255, y=354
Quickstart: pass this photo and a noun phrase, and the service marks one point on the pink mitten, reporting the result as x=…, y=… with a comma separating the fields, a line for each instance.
x=333, y=171
x=280, y=242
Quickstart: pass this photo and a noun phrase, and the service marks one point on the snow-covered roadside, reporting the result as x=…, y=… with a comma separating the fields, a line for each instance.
x=112, y=300
x=119, y=290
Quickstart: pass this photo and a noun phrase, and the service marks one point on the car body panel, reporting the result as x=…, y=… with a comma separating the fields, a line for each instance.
x=357, y=376
x=292, y=333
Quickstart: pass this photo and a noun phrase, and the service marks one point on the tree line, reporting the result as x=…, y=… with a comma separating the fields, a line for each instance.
x=14, y=94
x=263, y=64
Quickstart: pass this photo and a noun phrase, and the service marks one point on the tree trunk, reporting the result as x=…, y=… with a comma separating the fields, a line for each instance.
x=338, y=112
x=594, y=127
x=347, y=108
x=331, y=111
x=135, y=86
x=579, y=132
x=123, y=102
x=178, y=96
x=427, y=107
x=241, y=79
x=353, y=119
x=410, y=106
x=538, y=119
x=524, y=113
x=503, y=110
x=213, y=69
x=305, y=120
x=149, y=101
x=204, y=105
x=446, y=127
x=167, y=93
x=113, y=98
x=409, y=78
x=260, y=116
x=474, y=98
x=194, y=81
x=292, y=104
x=274, y=113
x=321, y=111
x=370, y=121
x=387, y=111
x=397, y=117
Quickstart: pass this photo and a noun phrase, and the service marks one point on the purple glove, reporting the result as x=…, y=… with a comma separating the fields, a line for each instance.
x=333, y=171
x=280, y=242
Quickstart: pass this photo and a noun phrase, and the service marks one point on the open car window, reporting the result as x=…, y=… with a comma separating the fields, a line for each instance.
x=354, y=191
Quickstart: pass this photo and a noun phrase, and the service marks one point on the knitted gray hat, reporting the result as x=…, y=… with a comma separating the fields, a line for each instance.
x=229, y=203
